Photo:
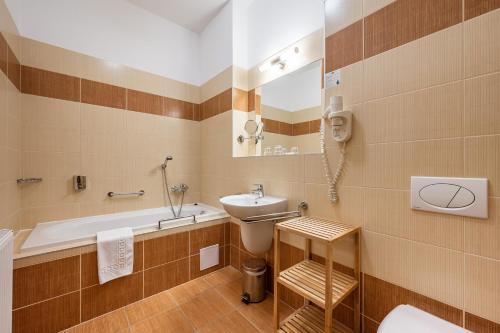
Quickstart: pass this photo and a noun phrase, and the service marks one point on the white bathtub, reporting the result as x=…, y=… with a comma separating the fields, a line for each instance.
x=75, y=231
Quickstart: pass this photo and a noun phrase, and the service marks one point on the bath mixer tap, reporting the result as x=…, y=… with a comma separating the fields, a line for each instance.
x=258, y=190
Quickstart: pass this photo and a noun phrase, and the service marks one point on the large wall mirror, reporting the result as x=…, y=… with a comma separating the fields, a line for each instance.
x=283, y=73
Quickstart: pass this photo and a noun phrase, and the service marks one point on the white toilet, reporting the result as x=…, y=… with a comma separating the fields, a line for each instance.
x=409, y=319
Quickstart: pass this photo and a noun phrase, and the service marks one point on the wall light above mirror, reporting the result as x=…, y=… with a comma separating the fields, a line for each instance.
x=283, y=53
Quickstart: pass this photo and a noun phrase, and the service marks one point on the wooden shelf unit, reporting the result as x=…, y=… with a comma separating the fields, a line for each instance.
x=313, y=280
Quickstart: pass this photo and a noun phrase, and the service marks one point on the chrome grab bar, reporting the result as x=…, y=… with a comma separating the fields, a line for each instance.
x=21, y=181
x=118, y=194
x=174, y=218
x=271, y=217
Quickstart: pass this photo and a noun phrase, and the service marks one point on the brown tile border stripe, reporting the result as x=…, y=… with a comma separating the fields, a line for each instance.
x=475, y=8
x=279, y=127
x=480, y=325
x=218, y=104
x=4, y=49
x=144, y=102
x=406, y=20
x=396, y=24
x=344, y=47
x=13, y=68
x=103, y=94
x=44, y=83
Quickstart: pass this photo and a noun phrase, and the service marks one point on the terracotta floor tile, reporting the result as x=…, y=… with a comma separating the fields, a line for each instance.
x=231, y=292
x=187, y=291
x=149, y=307
x=172, y=321
x=206, y=307
x=234, y=322
x=113, y=322
x=261, y=314
x=222, y=276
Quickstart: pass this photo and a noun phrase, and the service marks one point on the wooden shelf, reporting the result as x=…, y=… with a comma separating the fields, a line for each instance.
x=317, y=229
x=318, y=284
x=307, y=278
x=309, y=319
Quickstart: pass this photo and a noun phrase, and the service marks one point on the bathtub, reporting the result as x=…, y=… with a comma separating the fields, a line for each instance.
x=83, y=230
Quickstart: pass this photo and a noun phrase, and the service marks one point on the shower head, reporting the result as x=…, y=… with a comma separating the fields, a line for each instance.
x=168, y=158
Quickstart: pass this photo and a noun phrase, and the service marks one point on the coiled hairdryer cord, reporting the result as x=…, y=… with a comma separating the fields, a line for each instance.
x=332, y=180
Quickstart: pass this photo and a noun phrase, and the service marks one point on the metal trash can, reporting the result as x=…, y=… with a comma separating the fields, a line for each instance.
x=254, y=280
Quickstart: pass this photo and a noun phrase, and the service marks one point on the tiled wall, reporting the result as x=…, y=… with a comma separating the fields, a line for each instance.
x=54, y=295
x=424, y=104
x=77, y=115
x=10, y=140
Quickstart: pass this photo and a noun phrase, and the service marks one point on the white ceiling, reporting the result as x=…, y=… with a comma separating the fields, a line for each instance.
x=191, y=14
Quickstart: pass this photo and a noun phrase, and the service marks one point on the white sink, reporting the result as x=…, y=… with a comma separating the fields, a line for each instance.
x=245, y=205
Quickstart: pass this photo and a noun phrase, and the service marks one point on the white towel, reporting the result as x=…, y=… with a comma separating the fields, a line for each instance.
x=115, y=253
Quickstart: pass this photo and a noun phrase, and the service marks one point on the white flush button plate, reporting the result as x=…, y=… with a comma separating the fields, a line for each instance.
x=457, y=196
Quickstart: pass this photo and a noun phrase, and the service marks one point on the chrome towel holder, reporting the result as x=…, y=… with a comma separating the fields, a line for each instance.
x=121, y=194
x=22, y=181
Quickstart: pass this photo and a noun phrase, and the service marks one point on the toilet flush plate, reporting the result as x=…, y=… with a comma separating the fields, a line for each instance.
x=457, y=196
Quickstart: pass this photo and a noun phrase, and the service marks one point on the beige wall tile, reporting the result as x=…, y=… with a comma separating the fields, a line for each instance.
x=391, y=165
x=217, y=84
x=432, y=113
x=482, y=44
x=425, y=62
x=482, y=290
x=482, y=158
x=347, y=210
x=350, y=87
x=52, y=58
x=428, y=270
x=482, y=103
x=389, y=212
x=482, y=235
x=371, y=6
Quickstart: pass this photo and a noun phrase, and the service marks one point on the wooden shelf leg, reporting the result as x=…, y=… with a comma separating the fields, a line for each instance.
x=328, y=289
x=307, y=256
x=357, y=276
x=276, y=310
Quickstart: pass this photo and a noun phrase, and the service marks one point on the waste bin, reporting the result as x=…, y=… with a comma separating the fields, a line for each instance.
x=254, y=280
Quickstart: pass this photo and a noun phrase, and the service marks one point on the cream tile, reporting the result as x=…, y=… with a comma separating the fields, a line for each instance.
x=51, y=58
x=482, y=290
x=482, y=103
x=346, y=210
x=371, y=6
x=482, y=158
x=428, y=61
x=482, y=44
x=351, y=85
x=429, y=270
x=391, y=165
x=432, y=113
x=482, y=235
x=389, y=212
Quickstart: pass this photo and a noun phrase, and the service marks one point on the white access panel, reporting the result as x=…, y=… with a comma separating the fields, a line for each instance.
x=457, y=196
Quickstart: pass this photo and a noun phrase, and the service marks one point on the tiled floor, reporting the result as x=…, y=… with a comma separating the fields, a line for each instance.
x=208, y=304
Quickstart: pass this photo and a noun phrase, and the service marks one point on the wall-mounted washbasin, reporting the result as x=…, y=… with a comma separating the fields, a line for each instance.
x=246, y=205
x=257, y=237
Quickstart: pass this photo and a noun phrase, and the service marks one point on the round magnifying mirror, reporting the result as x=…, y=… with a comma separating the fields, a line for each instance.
x=251, y=127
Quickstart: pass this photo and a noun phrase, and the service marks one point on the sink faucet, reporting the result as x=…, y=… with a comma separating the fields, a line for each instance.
x=258, y=190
